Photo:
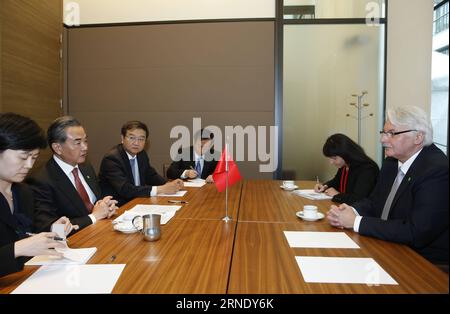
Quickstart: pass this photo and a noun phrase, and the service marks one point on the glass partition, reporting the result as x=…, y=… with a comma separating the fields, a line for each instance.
x=439, y=83
x=330, y=70
x=333, y=9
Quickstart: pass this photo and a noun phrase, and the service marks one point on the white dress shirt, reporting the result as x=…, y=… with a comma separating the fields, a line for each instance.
x=154, y=190
x=67, y=169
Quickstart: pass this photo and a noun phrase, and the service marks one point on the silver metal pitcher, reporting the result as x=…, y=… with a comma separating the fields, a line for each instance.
x=151, y=226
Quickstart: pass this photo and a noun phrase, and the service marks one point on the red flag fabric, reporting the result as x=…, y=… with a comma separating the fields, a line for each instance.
x=220, y=174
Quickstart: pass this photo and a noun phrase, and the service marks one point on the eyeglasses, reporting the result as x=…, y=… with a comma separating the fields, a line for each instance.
x=136, y=139
x=392, y=133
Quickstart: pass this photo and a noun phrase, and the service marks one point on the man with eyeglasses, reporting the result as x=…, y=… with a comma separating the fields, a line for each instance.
x=126, y=172
x=409, y=203
x=67, y=184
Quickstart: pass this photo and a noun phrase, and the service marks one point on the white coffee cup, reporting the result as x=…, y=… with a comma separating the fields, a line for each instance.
x=310, y=211
x=288, y=184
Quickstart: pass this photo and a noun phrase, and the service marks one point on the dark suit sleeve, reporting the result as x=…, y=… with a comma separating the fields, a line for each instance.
x=334, y=183
x=8, y=263
x=45, y=207
x=363, y=185
x=113, y=172
x=152, y=177
x=427, y=205
x=176, y=169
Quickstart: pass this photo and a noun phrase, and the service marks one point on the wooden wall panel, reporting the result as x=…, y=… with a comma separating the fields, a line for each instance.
x=31, y=64
x=167, y=74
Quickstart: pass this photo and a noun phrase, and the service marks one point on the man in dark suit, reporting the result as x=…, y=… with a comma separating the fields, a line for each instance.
x=202, y=159
x=67, y=184
x=125, y=171
x=409, y=204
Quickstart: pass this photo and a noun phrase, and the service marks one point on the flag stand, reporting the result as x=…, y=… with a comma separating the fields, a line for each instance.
x=226, y=218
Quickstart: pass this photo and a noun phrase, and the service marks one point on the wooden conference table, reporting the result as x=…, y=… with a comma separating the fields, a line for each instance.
x=200, y=253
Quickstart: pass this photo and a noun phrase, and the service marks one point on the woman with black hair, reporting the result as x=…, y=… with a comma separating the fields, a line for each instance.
x=357, y=172
x=20, y=141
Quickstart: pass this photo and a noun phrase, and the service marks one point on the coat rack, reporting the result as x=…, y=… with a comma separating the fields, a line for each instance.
x=359, y=105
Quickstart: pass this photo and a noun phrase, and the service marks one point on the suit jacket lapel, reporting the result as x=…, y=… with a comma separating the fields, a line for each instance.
x=408, y=178
x=6, y=216
x=63, y=183
x=142, y=166
x=126, y=163
x=90, y=179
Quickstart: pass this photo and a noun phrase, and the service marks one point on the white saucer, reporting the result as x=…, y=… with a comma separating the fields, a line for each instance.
x=289, y=189
x=319, y=216
x=125, y=228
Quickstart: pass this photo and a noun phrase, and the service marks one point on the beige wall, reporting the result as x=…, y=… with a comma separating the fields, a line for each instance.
x=122, y=11
x=409, y=44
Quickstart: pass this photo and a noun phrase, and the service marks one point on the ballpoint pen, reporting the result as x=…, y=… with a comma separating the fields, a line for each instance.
x=324, y=187
x=178, y=202
x=54, y=238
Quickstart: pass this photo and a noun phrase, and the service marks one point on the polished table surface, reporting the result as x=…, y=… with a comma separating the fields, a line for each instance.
x=200, y=253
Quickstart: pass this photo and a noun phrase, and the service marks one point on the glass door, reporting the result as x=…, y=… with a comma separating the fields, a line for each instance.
x=333, y=82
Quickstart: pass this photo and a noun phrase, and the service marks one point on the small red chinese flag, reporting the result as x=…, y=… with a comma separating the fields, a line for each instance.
x=220, y=174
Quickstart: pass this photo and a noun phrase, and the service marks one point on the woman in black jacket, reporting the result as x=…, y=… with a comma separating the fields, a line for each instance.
x=20, y=141
x=357, y=173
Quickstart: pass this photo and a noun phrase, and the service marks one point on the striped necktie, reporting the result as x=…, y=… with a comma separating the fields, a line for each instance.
x=82, y=191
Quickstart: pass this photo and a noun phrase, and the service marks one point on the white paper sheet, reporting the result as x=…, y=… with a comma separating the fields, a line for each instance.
x=59, y=230
x=166, y=212
x=195, y=183
x=308, y=239
x=79, y=279
x=71, y=256
x=178, y=194
x=343, y=270
x=310, y=194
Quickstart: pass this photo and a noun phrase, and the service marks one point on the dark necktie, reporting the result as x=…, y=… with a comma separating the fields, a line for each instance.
x=82, y=191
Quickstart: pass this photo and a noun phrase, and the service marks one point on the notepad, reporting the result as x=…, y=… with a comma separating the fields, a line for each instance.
x=315, y=239
x=343, y=270
x=310, y=194
x=71, y=256
x=71, y=279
